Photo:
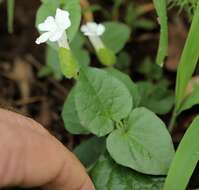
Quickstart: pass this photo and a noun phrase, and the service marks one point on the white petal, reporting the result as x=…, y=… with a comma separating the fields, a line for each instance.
x=43, y=38
x=100, y=29
x=55, y=36
x=93, y=29
x=62, y=19
x=48, y=25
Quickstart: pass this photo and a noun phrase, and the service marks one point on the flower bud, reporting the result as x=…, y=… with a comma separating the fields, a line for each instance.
x=106, y=56
x=68, y=63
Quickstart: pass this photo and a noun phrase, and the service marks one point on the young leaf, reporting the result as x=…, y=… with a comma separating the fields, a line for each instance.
x=156, y=97
x=190, y=100
x=116, y=35
x=161, y=8
x=10, y=13
x=126, y=80
x=143, y=143
x=70, y=116
x=188, y=60
x=89, y=151
x=185, y=160
x=101, y=99
x=107, y=175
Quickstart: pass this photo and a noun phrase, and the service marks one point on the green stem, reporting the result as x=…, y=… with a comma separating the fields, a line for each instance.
x=172, y=121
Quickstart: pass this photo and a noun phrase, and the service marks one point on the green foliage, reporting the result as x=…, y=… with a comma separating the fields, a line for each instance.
x=87, y=152
x=100, y=100
x=161, y=9
x=187, y=5
x=123, y=61
x=53, y=62
x=185, y=160
x=10, y=13
x=70, y=116
x=107, y=175
x=116, y=35
x=188, y=60
x=150, y=70
x=190, y=100
x=77, y=47
x=132, y=18
x=134, y=143
x=156, y=96
x=125, y=79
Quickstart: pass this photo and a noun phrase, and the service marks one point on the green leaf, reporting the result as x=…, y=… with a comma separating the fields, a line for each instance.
x=48, y=8
x=116, y=35
x=52, y=60
x=107, y=175
x=161, y=8
x=10, y=13
x=156, y=97
x=101, y=99
x=123, y=61
x=190, y=100
x=70, y=116
x=143, y=143
x=89, y=151
x=126, y=80
x=77, y=47
x=188, y=60
x=185, y=160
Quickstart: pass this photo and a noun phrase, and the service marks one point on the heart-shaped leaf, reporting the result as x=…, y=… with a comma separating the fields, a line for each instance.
x=107, y=175
x=116, y=35
x=70, y=116
x=143, y=143
x=101, y=99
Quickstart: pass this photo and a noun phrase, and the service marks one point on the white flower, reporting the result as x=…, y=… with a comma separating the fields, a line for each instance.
x=93, y=29
x=54, y=28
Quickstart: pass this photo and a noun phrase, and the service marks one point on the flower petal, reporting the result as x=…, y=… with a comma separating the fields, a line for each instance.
x=100, y=29
x=93, y=29
x=55, y=36
x=43, y=38
x=48, y=25
x=62, y=19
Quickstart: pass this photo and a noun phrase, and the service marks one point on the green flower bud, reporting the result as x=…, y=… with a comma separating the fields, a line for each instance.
x=68, y=63
x=106, y=56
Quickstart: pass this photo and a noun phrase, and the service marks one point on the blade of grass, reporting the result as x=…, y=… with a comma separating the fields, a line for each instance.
x=10, y=12
x=161, y=8
x=188, y=60
x=185, y=160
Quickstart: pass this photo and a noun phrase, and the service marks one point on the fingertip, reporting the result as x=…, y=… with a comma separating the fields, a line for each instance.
x=88, y=185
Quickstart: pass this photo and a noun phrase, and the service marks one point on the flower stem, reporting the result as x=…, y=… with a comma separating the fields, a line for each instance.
x=88, y=15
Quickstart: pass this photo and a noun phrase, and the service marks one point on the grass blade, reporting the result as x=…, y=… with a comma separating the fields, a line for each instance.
x=10, y=12
x=161, y=8
x=185, y=160
x=188, y=60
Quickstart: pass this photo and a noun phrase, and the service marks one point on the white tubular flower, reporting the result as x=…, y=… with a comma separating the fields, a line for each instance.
x=94, y=31
x=54, y=29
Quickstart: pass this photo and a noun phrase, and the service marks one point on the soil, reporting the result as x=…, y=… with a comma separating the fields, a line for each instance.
x=42, y=99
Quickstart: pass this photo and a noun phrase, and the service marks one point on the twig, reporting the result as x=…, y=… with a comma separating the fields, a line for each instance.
x=88, y=15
